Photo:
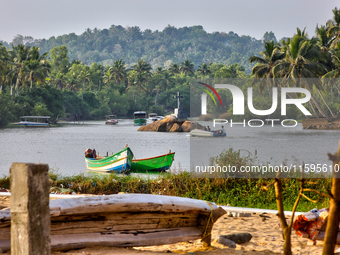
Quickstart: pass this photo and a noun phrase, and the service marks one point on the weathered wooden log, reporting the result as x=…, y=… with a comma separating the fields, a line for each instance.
x=125, y=238
x=125, y=220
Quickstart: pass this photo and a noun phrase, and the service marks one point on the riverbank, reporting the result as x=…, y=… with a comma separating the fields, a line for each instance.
x=321, y=124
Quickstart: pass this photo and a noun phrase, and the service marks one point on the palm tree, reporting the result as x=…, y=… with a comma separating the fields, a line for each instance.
x=187, y=67
x=204, y=70
x=58, y=79
x=174, y=68
x=4, y=58
x=334, y=27
x=142, y=67
x=264, y=64
x=36, y=67
x=19, y=55
x=71, y=81
x=335, y=72
x=301, y=62
x=118, y=70
x=84, y=76
x=324, y=40
x=165, y=80
x=36, y=70
x=157, y=89
x=159, y=70
x=107, y=77
x=138, y=80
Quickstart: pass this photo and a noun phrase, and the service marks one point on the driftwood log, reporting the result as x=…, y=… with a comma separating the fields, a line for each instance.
x=124, y=220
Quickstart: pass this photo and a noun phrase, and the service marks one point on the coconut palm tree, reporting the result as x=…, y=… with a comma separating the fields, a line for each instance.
x=118, y=70
x=4, y=58
x=324, y=40
x=187, y=67
x=157, y=89
x=159, y=70
x=84, y=76
x=203, y=70
x=174, y=68
x=107, y=77
x=143, y=67
x=165, y=80
x=265, y=63
x=19, y=54
x=35, y=71
x=301, y=62
x=138, y=80
x=335, y=72
x=333, y=30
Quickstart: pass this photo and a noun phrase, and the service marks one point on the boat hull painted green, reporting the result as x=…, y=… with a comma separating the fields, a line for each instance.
x=119, y=162
x=154, y=164
x=139, y=122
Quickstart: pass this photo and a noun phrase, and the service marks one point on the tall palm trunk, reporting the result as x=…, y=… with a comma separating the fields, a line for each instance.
x=319, y=107
x=311, y=106
x=323, y=99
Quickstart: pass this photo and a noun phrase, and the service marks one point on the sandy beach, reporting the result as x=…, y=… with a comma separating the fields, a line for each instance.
x=267, y=239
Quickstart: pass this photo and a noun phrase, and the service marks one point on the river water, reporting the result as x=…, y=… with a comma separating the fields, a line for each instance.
x=62, y=148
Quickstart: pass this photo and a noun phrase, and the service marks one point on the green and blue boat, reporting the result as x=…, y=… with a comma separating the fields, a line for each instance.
x=139, y=118
x=119, y=162
x=155, y=164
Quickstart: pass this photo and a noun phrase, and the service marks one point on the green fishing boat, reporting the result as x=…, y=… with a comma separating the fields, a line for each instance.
x=139, y=118
x=155, y=164
x=119, y=162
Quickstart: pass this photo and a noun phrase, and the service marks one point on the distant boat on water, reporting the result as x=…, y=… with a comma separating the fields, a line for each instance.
x=154, y=117
x=204, y=133
x=139, y=118
x=34, y=121
x=111, y=119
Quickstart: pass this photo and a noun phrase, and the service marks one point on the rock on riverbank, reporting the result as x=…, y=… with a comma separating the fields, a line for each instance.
x=171, y=124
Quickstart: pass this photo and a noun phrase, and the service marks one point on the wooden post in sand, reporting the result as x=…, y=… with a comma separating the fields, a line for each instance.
x=30, y=222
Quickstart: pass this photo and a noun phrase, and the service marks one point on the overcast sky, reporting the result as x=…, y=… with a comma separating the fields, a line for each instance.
x=46, y=18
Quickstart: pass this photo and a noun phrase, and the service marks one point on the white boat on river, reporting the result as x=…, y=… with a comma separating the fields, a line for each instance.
x=34, y=121
x=203, y=133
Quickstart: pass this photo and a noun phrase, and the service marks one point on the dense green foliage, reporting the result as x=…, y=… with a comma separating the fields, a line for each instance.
x=122, y=70
x=159, y=48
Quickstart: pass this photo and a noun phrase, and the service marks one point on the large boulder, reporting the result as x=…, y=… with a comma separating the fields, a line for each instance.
x=157, y=126
x=171, y=124
x=191, y=125
x=176, y=128
x=149, y=127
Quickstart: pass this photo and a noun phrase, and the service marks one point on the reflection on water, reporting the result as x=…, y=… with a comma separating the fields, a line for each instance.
x=63, y=147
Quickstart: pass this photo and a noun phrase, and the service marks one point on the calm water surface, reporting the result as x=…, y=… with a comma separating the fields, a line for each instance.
x=62, y=148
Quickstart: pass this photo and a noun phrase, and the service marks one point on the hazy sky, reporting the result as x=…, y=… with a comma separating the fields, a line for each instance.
x=46, y=18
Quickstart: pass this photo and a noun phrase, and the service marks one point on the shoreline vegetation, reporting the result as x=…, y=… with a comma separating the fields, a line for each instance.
x=46, y=81
x=222, y=191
